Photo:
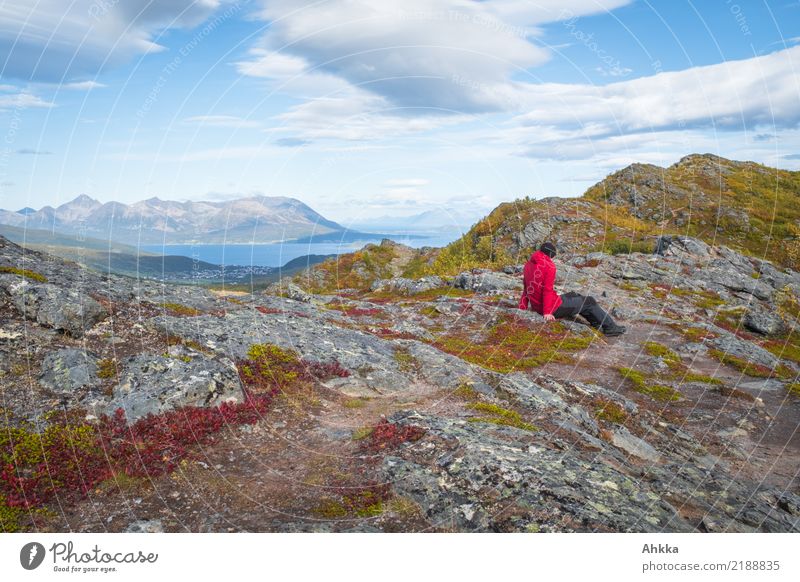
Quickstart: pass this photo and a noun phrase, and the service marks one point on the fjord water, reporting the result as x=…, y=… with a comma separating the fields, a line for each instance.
x=278, y=254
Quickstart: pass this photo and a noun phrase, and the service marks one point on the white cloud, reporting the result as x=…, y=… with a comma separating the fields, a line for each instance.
x=356, y=115
x=53, y=40
x=740, y=94
x=272, y=65
x=82, y=85
x=22, y=101
x=407, y=53
x=221, y=121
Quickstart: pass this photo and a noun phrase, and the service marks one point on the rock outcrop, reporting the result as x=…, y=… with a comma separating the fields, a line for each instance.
x=428, y=404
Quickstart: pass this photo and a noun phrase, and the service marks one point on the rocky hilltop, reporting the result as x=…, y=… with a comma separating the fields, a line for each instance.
x=403, y=404
x=751, y=208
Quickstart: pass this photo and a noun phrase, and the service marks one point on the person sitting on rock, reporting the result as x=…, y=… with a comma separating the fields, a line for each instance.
x=538, y=294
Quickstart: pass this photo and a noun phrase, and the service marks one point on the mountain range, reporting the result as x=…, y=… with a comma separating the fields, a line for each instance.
x=260, y=219
x=431, y=221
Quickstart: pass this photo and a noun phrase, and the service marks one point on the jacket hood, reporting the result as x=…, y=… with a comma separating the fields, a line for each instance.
x=540, y=257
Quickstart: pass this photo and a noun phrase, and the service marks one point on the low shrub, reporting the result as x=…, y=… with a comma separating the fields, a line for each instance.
x=643, y=386
x=26, y=273
x=502, y=416
x=180, y=310
x=387, y=435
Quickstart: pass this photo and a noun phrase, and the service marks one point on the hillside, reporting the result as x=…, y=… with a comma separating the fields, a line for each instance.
x=749, y=207
x=403, y=404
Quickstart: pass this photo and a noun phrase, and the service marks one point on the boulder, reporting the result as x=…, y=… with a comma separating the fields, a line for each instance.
x=65, y=371
x=63, y=309
x=725, y=276
x=405, y=286
x=486, y=281
x=682, y=247
x=765, y=322
x=294, y=292
x=155, y=384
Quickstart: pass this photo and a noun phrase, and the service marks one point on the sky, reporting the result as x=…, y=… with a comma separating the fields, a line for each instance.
x=365, y=108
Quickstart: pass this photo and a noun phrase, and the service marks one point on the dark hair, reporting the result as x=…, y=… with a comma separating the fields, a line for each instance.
x=549, y=249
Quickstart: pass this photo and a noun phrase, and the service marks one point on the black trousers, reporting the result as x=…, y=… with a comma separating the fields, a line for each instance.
x=573, y=304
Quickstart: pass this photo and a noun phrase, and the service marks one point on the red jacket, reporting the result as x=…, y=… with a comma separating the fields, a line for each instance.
x=538, y=277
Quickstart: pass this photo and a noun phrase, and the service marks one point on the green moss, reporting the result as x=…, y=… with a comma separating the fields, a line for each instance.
x=107, y=368
x=465, y=391
x=372, y=510
x=331, y=509
x=260, y=352
x=355, y=403
x=794, y=388
x=277, y=365
x=179, y=309
x=430, y=311
x=405, y=361
x=751, y=368
x=24, y=273
x=404, y=507
x=643, y=386
x=672, y=359
x=630, y=287
x=708, y=300
x=361, y=433
x=516, y=345
x=786, y=347
x=694, y=377
x=609, y=411
x=501, y=416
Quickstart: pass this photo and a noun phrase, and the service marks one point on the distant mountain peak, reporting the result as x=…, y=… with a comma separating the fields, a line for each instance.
x=84, y=199
x=26, y=211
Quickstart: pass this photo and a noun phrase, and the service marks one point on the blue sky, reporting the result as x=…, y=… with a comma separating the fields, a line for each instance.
x=363, y=108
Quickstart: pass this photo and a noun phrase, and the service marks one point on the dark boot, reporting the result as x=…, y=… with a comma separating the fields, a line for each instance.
x=599, y=319
x=614, y=330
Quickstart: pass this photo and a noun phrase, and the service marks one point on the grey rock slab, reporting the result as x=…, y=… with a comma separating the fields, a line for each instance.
x=742, y=349
x=63, y=309
x=682, y=246
x=68, y=370
x=151, y=384
x=622, y=438
x=371, y=360
x=765, y=322
x=493, y=465
x=485, y=281
x=405, y=286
